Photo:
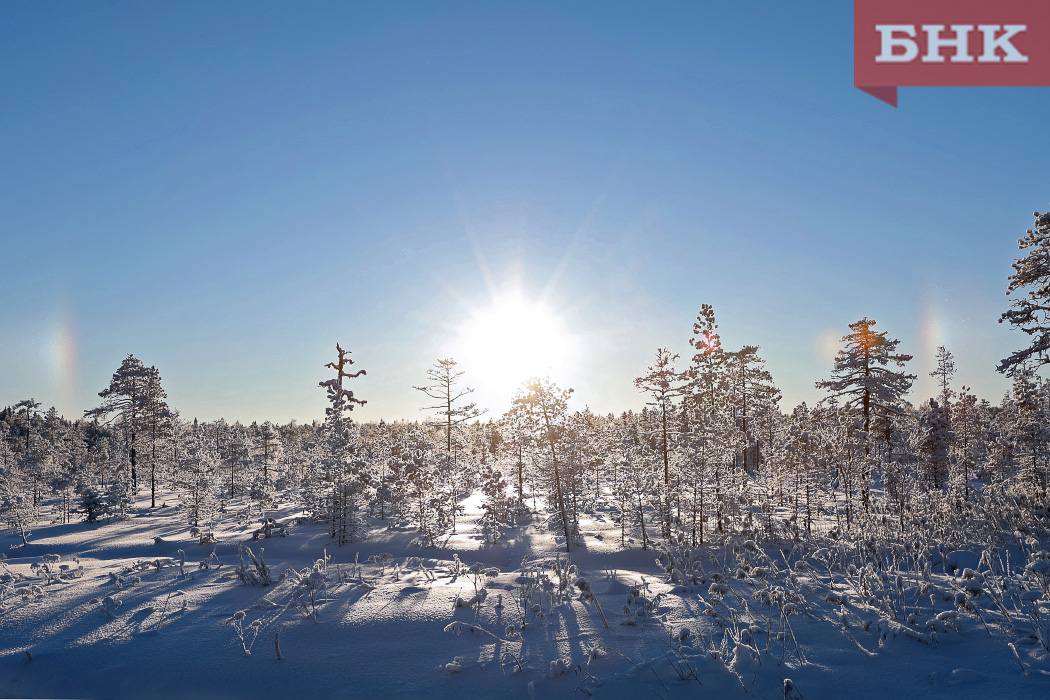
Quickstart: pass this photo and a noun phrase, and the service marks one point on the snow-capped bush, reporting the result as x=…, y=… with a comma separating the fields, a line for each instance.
x=639, y=606
x=310, y=585
x=258, y=573
x=110, y=605
x=247, y=636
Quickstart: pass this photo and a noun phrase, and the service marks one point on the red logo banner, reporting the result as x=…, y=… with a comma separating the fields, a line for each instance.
x=949, y=43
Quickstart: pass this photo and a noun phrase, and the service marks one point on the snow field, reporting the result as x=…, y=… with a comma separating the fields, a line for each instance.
x=130, y=616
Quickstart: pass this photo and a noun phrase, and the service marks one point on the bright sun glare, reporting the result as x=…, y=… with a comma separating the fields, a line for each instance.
x=510, y=341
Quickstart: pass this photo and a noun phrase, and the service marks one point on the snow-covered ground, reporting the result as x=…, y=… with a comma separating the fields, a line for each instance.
x=108, y=611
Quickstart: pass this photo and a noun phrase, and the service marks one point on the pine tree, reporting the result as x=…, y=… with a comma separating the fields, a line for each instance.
x=664, y=383
x=970, y=444
x=17, y=508
x=443, y=388
x=936, y=443
x=753, y=395
x=345, y=472
x=1030, y=425
x=159, y=424
x=1030, y=312
x=495, y=509
x=29, y=408
x=545, y=407
x=864, y=379
x=518, y=439
x=944, y=373
x=199, y=479
x=134, y=399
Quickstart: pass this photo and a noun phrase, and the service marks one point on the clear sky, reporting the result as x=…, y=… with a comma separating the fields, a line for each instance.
x=225, y=190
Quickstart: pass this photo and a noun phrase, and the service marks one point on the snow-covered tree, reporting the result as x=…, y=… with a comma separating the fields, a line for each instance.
x=199, y=480
x=1031, y=312
x=864, y=379
x=134, y=401
x=970, y=446
x=944, y=373
x=495, y=504
x=664, y=383
x=518, y=439
x=1029, y=422
x=443, y=387
x=753, y=398
x=17, y=508
x=545, y=408
x=345, y=472
x=936, y=443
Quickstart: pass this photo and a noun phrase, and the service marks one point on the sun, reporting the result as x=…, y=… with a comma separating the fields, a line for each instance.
x=511, y=340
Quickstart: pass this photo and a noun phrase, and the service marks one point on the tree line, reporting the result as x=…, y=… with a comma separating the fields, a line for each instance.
x=709, y=456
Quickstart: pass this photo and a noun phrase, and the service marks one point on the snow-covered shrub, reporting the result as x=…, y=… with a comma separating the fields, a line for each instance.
x=247, y=636
x=109, y=606
x=640, y=605
x=258, y=573
x=533, y=594
x=310, y=585
x=682, y=566
x=270, y=528
x=211, y=562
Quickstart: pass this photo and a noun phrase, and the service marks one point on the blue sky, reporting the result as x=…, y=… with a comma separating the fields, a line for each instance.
x=226, y=190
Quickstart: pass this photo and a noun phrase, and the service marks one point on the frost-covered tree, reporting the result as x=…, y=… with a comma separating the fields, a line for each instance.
x=267, y=458
x=495, y=504
x=864, y=379
x=443, y=387
x=703, y=448
x=545, y=408
x=709, y=392
x=415, y=464
x=754, y=397
x=944, y=373
x=664, y=383
x=28, y=408
x=1029, y=422
x=708, y=377
x=134, y=402
x=34, y=450
x=970, y=446
x=199, y=480
x=159, y=424
x=1031, y=312
x=518, y=440
x=805, y=466
x=936, y=443
x=70, y=468
x=632, y=478
x=345, y=472
x=17, y=509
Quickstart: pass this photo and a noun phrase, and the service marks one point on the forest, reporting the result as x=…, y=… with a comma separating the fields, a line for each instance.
x=709, y=456
x=775, y=534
